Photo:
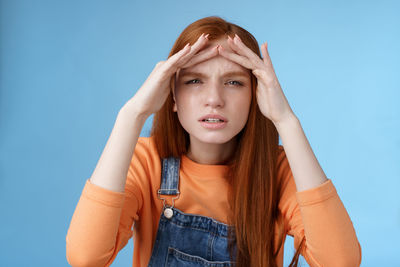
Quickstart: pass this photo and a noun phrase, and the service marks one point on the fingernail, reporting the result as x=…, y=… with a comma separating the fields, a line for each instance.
x=207, y=36
x=237, y=36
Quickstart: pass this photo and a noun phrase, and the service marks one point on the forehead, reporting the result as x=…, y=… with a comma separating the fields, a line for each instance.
x=216, y=63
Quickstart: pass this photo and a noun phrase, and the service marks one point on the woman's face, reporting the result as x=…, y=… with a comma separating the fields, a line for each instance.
x=209, y=88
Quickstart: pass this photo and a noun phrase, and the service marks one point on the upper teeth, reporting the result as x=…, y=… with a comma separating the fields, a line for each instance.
x=210, y=119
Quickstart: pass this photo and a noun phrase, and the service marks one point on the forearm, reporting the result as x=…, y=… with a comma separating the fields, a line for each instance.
x=305, y=167
x=112, y=167
x=331, y=239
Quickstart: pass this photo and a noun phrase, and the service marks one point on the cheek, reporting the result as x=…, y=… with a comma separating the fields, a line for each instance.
x=243, y=98
x=182, y=98
x=186, y=103
x=244, y=102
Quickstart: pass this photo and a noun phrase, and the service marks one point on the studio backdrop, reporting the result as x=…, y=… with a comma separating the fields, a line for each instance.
x=67, y=67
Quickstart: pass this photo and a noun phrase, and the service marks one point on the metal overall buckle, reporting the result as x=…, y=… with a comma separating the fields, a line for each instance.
x=168, y=211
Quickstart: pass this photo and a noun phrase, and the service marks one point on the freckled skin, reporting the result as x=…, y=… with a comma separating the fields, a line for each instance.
x=215, y=94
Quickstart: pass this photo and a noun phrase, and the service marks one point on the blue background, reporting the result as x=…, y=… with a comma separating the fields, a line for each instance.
x=67, y=67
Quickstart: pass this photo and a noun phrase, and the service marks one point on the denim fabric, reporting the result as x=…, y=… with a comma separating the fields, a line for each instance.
x=170, y=176
x=187, y=239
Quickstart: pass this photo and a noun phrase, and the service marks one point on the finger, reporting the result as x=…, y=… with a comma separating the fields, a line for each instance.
x=178, y=55
x=232, y=45
x=172, y=66
x=201, y=56
x=196, y=47
x=265, y=54
x=241, y=60
x=240, y=48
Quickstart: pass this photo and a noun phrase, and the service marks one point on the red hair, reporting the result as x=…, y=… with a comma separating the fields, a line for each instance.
x=252, y=169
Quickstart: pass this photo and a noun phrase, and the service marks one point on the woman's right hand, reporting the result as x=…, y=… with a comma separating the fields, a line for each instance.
x=152, y=94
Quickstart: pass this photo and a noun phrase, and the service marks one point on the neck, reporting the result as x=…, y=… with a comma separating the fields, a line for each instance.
x=211, y=154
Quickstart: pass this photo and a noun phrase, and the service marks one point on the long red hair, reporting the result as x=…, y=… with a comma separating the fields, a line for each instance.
x=254, y=188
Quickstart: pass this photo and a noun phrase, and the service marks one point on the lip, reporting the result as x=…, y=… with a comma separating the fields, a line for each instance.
x=213, y=125
x=213, y=116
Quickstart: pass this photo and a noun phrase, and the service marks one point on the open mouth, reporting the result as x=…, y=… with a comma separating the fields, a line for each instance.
x=213, y=120
x=213, y=124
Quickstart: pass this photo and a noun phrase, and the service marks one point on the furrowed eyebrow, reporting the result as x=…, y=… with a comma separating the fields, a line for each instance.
x=229, y=73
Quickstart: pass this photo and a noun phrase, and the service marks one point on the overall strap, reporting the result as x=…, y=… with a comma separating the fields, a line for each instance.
x=169, y=176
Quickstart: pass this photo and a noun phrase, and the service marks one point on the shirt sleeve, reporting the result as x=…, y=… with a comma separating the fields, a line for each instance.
x=320, y=216
x=102, y=221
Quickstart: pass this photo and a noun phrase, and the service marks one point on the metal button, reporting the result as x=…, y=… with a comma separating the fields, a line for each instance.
x=168, y=212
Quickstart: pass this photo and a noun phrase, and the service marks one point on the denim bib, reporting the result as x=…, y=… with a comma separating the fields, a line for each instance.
x=187, y=239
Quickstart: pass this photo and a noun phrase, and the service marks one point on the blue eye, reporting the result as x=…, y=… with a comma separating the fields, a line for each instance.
x=237, y=83
x=190, y=82
x=232, y=82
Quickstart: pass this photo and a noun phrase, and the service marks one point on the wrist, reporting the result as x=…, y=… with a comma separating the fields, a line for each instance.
x=289, y=121
x=132, y=111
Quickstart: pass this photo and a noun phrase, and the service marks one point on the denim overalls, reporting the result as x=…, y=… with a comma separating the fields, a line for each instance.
x=187, y=239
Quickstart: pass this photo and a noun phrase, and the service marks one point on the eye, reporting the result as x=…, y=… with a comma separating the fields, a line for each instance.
x=232, y=82
x=237, y=83
x=190, y=82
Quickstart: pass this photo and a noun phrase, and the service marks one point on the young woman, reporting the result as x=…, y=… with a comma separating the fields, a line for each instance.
x=211, y=186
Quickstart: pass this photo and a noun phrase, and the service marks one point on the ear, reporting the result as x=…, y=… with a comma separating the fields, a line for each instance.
x=174, y=108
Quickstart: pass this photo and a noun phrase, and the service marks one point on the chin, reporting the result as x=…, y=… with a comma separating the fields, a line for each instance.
x=215, y=138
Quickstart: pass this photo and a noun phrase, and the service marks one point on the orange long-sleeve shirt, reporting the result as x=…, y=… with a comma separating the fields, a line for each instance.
x=105, y=220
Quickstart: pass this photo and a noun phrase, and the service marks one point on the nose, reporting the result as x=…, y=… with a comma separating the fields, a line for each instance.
x=214, y=95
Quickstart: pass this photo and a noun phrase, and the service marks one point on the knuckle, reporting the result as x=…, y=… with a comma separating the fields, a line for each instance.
x=160, y=63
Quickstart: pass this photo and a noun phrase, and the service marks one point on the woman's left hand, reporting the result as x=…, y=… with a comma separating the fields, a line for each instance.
x=270, y=97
